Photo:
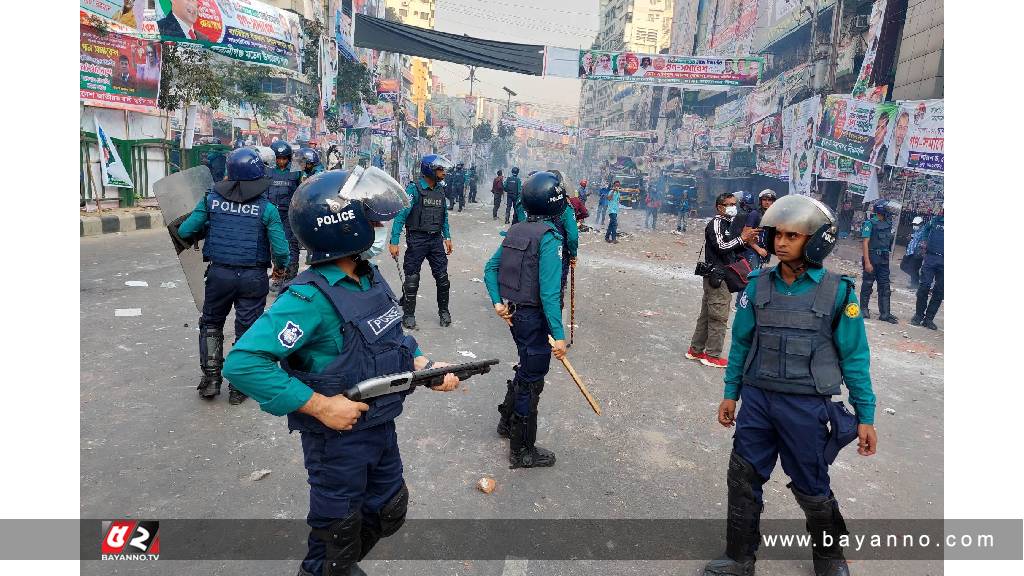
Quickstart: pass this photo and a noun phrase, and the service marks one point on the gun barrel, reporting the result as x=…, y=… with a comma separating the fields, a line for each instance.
x=394, y=383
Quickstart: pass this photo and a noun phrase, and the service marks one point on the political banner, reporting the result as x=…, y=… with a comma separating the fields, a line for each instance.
x=855, y=128
x=245, y=30
x=799, y=125
x=769, y=163
x=112, y=169
x=387, y=89
x=328, y=72
x=767, y=132
x=118, y=71
x=867, y=67
x=918, y=139
x=668, y=69
x=731, y=112
x=126, y=13
x=733, y=38
x=863, y=178
x=721, y=160
x=341, y=11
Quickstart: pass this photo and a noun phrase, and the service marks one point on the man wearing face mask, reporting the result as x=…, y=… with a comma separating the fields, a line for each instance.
x=721, y=248
x=427, y=237
x=911, y=262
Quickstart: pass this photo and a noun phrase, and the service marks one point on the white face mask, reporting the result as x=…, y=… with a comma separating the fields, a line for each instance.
x=380, y=238
x=731, y=211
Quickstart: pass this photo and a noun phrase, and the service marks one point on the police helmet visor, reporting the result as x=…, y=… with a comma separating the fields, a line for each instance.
x=570, y=190
x=795, y=213
x=381, y=195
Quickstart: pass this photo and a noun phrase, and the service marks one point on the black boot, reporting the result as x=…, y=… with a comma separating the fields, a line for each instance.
x=824, y=522
x=916, y=320
x=443, y=290
x=523, y=451
x=409, y=290
x=742, y=533
x=235, y=396
x=865, y=302
x=933, y=309
x=884, y=314
x=211, y=360
x=505, y=411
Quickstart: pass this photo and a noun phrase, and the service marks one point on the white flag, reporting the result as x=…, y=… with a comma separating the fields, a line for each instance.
x=111, y=167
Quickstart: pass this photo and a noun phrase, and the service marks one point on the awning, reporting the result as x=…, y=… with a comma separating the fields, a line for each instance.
x=380, y=34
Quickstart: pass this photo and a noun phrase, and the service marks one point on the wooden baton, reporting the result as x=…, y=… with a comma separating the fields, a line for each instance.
x=579, y=382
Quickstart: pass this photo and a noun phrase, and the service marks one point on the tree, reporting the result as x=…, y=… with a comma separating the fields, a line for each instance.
x=245, y=85
x=309, y=95
x=190, y=75
x=483, y=132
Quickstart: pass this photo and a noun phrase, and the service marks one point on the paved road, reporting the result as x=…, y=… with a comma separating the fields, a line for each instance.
x=151, y=448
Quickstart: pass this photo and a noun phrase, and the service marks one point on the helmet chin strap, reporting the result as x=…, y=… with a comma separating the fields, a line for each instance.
x=798, y=269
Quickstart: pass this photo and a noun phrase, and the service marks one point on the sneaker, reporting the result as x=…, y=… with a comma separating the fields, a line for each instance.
x=714, y=361
x=693, y=354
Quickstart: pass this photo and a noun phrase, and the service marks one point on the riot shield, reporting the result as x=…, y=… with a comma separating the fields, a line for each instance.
x=178, y=195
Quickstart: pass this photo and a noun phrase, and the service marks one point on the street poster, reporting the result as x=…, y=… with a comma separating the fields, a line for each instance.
x=767, y=132
x=721, y=160
x=245, y=30
x=126, y=13
x=799, y=125
x=861, y=177
x=732, y=38
x=855, y=128
x=112, y=169
x=328, y=72
x=918, y=140
x=769, y=163
x=679, y=71
x=341, y=10
x=118, y=71
x=868, y=65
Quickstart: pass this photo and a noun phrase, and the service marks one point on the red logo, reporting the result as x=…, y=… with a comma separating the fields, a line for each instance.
x=130, y=540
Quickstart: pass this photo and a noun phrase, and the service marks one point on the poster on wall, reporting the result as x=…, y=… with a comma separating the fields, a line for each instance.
x=799, y=125
x=679, y=71
x=125, y=13
x=857, y=129
x=112, y=169
x=245, y=30
x=862, y=178
x=867, y=67
x=118, y=71
x=918, y=139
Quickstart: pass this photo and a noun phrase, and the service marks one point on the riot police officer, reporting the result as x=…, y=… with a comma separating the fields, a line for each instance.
x=471, y=179
x=427, y=236
x=932, y=273
x=522, y=280
x=309, y=161
x=797, y=336
x=283, y=182
x=877, y=233
x=243, y=234
x=456, y=182
x=513, y=185
x=310, y=346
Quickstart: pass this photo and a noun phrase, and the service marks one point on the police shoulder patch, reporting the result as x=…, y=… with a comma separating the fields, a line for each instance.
x=289, y=335
x=852, y=310
x=744, y=301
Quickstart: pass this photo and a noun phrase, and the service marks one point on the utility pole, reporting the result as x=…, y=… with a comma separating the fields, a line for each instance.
x=508, y=105
x=833, y=60
x=472, y=79
x=814, y=30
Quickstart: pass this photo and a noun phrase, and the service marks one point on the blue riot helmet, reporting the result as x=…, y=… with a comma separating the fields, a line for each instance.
x=744, y=199
x=309, y=156
x=804, y=215
x=266, y=155
x=515, y=170
x=887, y=208
x=244, y=164
x=431, y=163
x=281, y=149
x=543, y=195
x=332, y=213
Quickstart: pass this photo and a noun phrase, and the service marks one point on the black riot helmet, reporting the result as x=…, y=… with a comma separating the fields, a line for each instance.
x=515, y=170
x=332, y=213
x=282, y=149
x=804, y=215
x=543, y=195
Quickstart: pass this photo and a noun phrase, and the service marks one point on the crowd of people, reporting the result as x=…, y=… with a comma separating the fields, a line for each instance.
x=798, y=331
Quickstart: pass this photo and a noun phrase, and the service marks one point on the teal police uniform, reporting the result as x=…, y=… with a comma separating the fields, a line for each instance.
x=307, y=175
x=879, y=234
x=426, y=221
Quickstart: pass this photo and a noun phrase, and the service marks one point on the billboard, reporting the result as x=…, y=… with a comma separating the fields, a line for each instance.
x=918, y=140
x=857, y=129
x=118, y=71
x=679, y=71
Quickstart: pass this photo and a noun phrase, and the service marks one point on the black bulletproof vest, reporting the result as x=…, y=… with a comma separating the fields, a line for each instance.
x=427, y=214
x=793, y=350
x=519, y=270
x=881, y=236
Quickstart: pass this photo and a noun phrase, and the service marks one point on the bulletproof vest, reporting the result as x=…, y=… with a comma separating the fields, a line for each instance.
x=793, y=350
x=519, y=269
x=458, y=181
x=512, y=186
x=427, y=214
x=936, y=239
x=282, y=186
x=373, y=344
x=236, y=232
x=881, y=235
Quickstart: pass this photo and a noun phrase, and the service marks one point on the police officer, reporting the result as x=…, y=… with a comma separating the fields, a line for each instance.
x=427, y=236
x=471, y=178
x=797, y=336
x=309, y=160
x=568, y=229
x=877, y=233
x=513, y=185
x=283, y=182
x=522, y=279
x=932, y=273
x=243, y=234
x=457, y=181
x=311, y=345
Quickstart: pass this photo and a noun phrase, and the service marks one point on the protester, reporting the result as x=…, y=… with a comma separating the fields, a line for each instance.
x=613, y=214
x=602, y=205
x=653, y=205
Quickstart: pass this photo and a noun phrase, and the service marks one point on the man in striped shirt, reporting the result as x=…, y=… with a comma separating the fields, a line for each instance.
x=721, y=248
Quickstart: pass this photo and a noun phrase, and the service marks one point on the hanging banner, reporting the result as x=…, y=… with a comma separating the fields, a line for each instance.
x=341, y=10
x=328, y=72
x=769, y=163
x=387, y=89
x=918, y=140
x=111, y=167
x=516, y=121
x=244, y=30
x=799, y=125
x=863, y=178
x=118, y=71
x=630, y=135
x=867, y=67
x=733, y=38
x=857, y=129
x=678, y=71
x=767, y=132
x=731, y=112
x=127, y=13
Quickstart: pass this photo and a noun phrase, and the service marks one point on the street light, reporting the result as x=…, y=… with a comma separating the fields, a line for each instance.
x=508, y=106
